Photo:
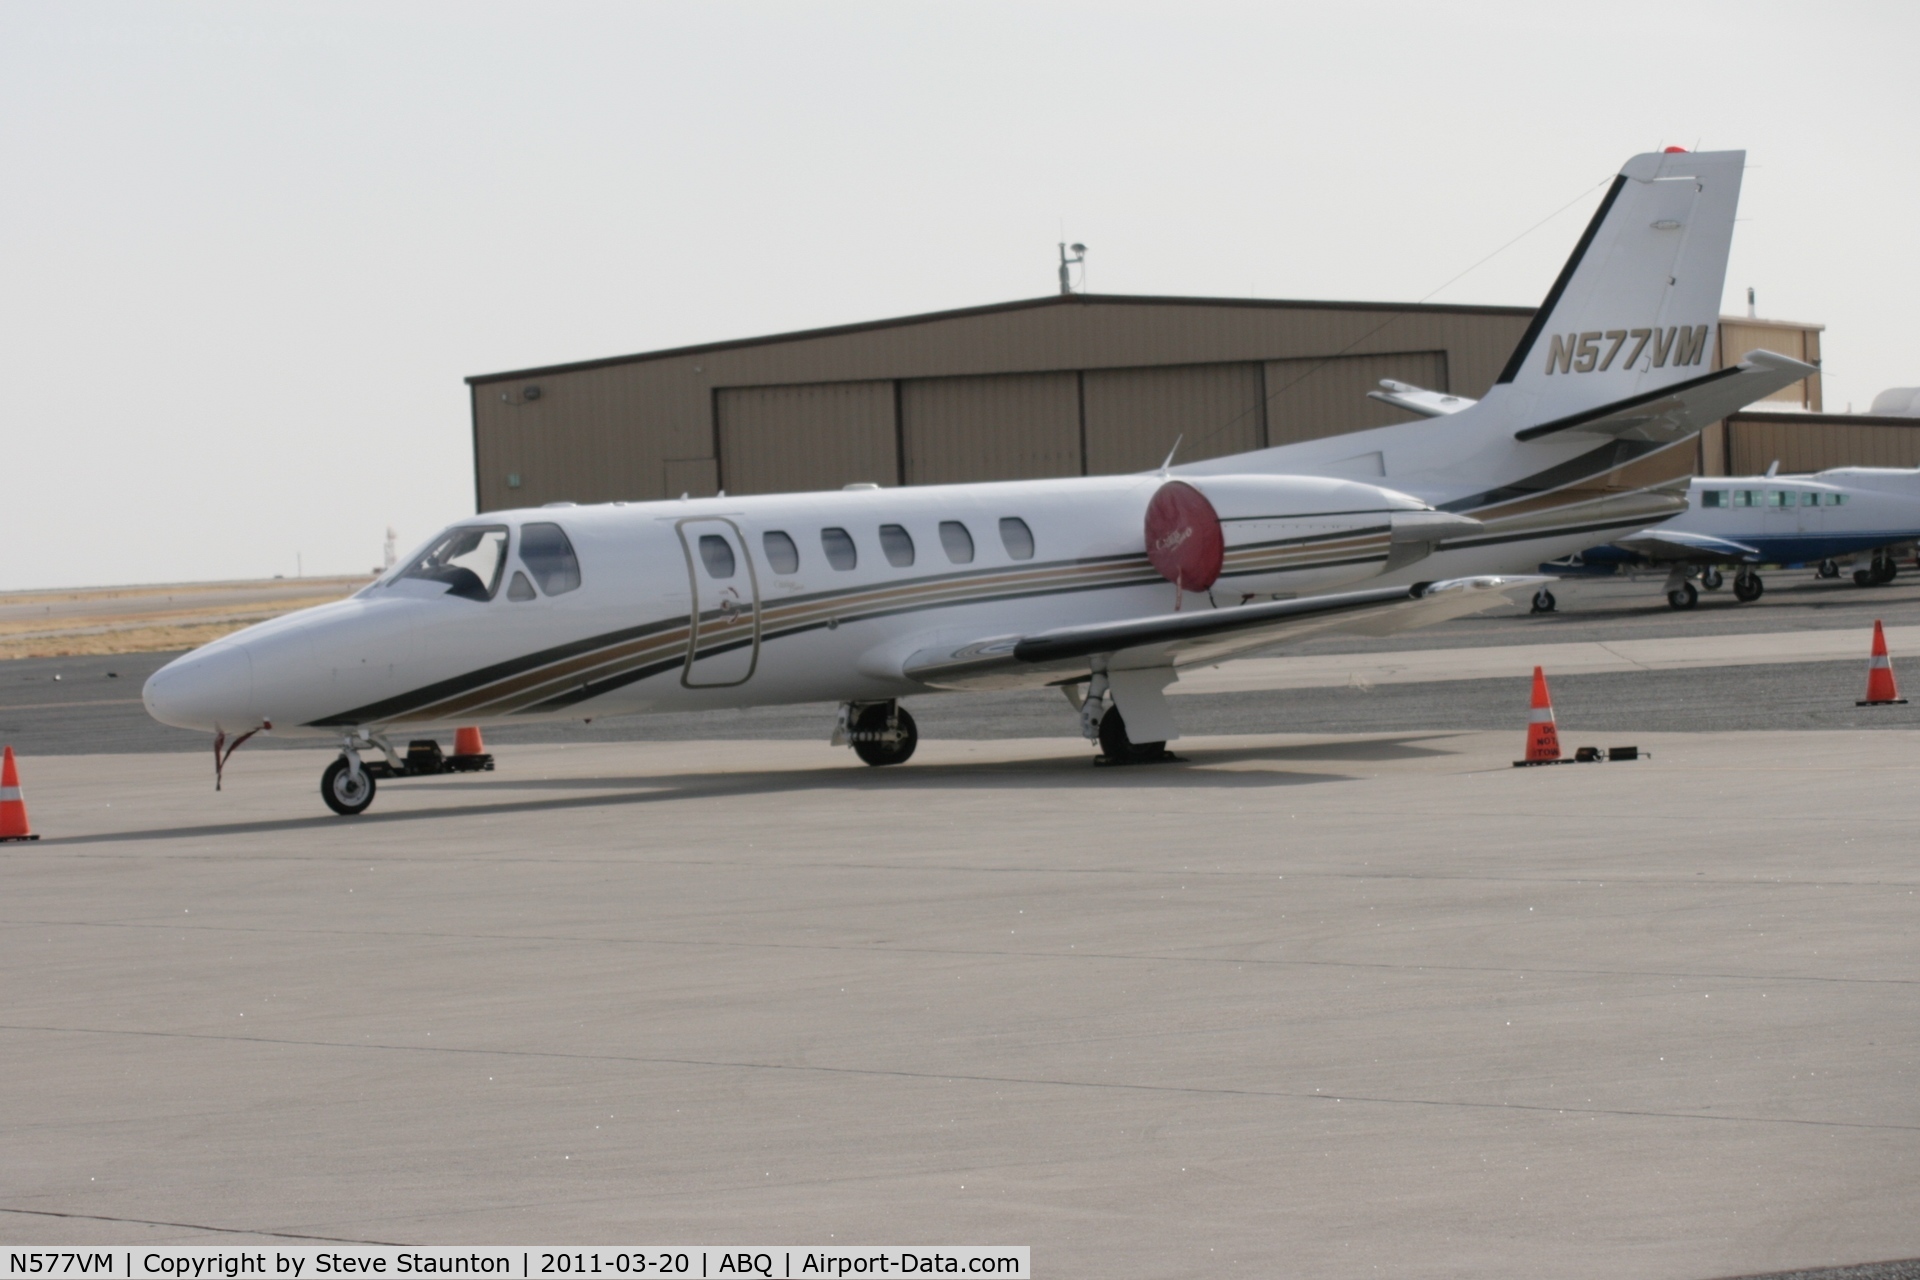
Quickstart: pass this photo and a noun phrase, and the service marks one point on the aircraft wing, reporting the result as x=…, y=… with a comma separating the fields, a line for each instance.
x=1062, y=655
x=1678, y=411
x=1688, y=548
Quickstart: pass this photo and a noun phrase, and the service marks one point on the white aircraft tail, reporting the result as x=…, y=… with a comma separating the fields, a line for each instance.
x=1589, y=427
x=1634, y=309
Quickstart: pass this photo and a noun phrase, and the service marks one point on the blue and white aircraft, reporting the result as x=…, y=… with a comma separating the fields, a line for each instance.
x=1745, y=521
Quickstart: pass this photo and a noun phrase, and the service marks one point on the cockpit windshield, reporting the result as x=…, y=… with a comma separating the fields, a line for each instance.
x=468, y=558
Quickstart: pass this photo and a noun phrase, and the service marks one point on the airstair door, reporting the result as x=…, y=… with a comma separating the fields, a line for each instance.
x=723, y=638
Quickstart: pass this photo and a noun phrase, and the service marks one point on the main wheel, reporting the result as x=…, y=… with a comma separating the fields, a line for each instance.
x=1712, y=579
x=1683, y=596
x=1118, y=747
x=1747, y=588
x=1543, y=601
x=343, y=794
x=1885, y=570
x=877, y=742
x=1828, y=569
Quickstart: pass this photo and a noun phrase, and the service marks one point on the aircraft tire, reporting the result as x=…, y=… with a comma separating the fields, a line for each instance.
x=1712, y=579
x=338, y=790
x=1543, y=601
x=871, y=723
x=1684, y=597
x=1828, y=569
x=1117, y=747
x=1862, y=578
x=1747, y=588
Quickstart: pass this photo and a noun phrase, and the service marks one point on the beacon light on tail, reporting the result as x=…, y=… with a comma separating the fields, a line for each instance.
x=869, y=595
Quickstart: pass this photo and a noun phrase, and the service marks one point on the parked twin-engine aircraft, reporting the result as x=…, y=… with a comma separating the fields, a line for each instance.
x=1102, y=585
x=1745, y=521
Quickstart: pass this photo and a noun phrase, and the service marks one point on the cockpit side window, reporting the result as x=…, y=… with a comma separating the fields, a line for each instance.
x=468, y=558
x=549, y=557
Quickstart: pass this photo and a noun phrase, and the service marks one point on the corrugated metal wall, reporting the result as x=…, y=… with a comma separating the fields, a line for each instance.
x=795, y=438
x=1013, y=427
x=1310, y=398
x=1804, y=443
x=1135, y=415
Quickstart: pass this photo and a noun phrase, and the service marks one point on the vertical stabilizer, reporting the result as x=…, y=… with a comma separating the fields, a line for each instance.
x=1634, y=309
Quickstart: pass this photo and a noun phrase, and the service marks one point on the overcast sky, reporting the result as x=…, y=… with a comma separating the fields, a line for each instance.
x=248, y=252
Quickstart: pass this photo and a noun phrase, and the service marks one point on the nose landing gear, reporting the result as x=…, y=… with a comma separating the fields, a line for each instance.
x=348, y=783
x=346, y=786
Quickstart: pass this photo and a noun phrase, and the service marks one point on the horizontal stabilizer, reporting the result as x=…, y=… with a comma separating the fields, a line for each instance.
x=1687, y=548
x=1675, y=412
x=1428, y=404
x=1064, y=654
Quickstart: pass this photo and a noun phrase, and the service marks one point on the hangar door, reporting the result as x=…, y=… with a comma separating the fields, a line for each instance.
x=791, y=439
x=1134, y=415
x=1018, y=426
x=1307, y=399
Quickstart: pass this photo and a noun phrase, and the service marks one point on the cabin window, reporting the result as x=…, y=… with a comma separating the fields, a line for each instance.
x=781, y=553
x=468, y=558
x=897, y=544
x=549, y=557
x=1836, y=500
x=1746, y=497
x=1809, y=499
x=717, y=554
x=518, y=588
x=1016, y=538
x=1713, y=497
x=838, y=544
x=956, y=541
x=1782, y=498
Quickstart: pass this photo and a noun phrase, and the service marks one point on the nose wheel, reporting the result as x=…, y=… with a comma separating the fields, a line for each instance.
x=346, y=789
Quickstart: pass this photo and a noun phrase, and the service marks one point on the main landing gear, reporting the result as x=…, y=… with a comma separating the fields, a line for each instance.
x=1747, y=586
x=1712, y=579
x=1543, y=601
x=1880, y=570
x=1101, y=722
x=879, y=732
x=348, y=784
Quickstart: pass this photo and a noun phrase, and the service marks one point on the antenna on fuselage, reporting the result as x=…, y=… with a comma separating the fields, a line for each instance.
x=1167, y=466
x=1773, y=470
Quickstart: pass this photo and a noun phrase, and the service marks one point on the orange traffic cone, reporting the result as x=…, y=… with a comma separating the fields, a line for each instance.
x=1881, y=691
x=466, y=742
x=13, y=809
x=1543, y=738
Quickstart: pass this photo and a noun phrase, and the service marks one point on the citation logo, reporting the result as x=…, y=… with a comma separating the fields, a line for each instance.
x=1581, y=353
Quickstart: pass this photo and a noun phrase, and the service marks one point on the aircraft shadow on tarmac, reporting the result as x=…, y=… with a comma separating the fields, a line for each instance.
x=616, y=790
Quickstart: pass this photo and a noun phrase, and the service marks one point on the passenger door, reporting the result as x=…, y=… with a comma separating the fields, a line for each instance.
x=723, y=636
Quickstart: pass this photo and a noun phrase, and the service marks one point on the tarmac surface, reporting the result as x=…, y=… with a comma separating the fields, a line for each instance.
x=1305, y=1005
x=1351, y=1000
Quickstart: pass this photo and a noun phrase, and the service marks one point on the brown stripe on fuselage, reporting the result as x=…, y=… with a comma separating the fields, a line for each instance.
x=1648, y=471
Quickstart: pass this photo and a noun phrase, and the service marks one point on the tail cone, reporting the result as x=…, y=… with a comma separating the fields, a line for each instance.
x=1881, y=690
x=13, y=807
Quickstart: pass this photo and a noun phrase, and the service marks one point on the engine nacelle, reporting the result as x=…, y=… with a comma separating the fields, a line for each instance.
x=1250, y=536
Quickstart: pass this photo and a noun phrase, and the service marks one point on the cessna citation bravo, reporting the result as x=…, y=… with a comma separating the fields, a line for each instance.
x=1102, y=586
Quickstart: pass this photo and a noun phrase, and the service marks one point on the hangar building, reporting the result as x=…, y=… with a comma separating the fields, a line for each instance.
x=1073, y=384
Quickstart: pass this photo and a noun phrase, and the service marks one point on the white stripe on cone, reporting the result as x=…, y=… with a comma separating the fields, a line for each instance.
x=1541, y=715
x=10, y=793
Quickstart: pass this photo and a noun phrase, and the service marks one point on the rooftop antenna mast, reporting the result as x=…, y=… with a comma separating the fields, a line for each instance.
x=1079, y=259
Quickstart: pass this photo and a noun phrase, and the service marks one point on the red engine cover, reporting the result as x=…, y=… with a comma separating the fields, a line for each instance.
x=1184, y=540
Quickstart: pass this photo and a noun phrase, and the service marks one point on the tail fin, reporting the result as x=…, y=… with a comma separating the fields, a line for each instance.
x=1634, y=309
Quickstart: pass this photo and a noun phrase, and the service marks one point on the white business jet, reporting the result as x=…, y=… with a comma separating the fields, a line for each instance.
x=1102, y=586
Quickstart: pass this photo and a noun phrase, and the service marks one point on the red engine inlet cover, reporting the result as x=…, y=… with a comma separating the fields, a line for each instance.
x=1184, y=540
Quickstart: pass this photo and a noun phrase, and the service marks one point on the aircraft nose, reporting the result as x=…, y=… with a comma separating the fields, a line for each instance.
x=210, y=688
